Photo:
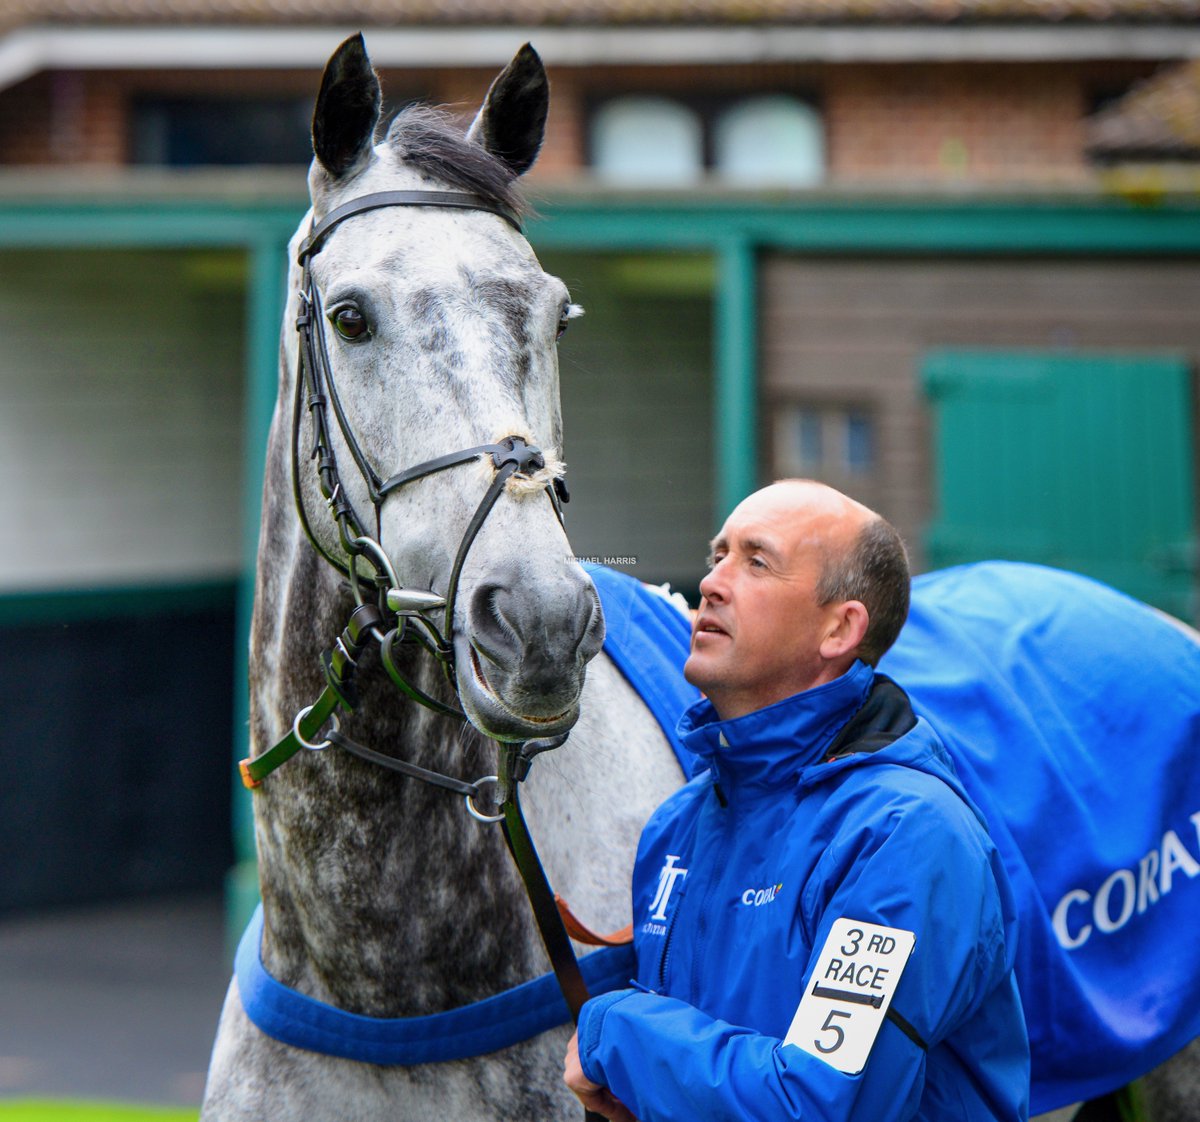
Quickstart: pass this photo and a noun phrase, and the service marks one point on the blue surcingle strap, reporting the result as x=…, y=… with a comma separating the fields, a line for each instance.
x=484, y=1026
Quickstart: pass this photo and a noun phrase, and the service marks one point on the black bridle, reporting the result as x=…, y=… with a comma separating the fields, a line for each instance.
x=317, y=389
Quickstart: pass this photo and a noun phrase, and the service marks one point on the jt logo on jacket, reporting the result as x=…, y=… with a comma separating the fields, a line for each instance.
x=666, y=881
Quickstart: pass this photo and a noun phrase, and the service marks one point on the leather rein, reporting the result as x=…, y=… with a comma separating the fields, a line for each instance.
x=387, y=602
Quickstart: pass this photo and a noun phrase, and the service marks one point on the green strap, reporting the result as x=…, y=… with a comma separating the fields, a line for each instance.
x=255, y=770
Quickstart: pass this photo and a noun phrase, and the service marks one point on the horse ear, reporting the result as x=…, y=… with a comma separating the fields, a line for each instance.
x=347, y=109
x=512, y=121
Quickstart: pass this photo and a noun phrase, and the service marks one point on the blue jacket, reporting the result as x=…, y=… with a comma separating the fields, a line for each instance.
x=778, y=843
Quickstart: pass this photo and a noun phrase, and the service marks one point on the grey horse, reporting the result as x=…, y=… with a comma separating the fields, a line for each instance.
x=380, y=895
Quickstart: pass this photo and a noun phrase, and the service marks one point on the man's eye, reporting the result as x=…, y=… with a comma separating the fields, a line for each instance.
x=350, y=324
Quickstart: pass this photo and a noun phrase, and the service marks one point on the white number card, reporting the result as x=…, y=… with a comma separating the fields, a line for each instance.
x=848, y=994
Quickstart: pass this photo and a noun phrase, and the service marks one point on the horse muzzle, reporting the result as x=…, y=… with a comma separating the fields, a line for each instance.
x=521, y=658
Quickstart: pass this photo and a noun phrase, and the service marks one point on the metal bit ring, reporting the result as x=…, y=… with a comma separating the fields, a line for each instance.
x=473, y=810
x=337, y=725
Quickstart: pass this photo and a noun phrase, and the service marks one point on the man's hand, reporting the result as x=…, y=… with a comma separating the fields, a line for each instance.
x=592, y=1095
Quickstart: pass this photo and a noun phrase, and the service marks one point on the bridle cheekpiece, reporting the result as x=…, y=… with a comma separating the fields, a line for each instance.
x=317, y=389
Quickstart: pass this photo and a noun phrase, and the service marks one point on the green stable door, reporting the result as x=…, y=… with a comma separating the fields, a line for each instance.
x=1079, y=461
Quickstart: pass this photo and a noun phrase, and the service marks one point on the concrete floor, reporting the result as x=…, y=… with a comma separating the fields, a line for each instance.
x=120, y=1002
x=117, y=1002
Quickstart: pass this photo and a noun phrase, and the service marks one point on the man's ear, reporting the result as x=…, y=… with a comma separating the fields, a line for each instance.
x=848, y=630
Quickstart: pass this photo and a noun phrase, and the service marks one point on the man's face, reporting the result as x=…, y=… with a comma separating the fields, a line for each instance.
x=758, y=635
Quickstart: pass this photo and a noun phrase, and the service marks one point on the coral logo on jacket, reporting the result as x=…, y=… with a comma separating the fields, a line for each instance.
x=757, y=897
x=669, y=874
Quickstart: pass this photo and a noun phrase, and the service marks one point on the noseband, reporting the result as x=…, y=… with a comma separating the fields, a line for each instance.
x=316, y=388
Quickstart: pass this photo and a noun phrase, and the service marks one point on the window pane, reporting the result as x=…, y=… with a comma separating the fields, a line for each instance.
x=188, y=132
x=800, y=440
x=860, y=443
x=776, y=140
x=647, y=140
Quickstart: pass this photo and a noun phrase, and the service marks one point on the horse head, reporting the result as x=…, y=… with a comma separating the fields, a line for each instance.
x=436, y=333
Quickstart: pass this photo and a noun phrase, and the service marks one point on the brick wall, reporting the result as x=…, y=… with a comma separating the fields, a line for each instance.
x=989, y=124
x=564, y=151
x=64, y=117
x=25, y=122
x=897, y=124
x=886, y=125
x=73, y=118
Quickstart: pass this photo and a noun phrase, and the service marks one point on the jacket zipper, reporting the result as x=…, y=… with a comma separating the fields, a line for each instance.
x=675, y=912
x=717, y=866
x=666, y=950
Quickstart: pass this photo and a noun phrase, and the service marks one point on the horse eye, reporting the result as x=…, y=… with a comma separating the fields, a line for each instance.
x=350, y=323
x=568, y=313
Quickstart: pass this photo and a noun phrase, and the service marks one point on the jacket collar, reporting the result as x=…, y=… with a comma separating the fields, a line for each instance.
x=768, y=747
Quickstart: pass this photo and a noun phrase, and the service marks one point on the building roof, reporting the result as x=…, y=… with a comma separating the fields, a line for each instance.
x=192, y=35
x=1159, y=118
x=600, y=13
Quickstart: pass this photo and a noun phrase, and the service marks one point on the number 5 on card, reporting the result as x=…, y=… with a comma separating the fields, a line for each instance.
x=848, y=993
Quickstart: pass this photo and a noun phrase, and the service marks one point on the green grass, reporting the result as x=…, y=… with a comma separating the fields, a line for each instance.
x=40, y=1110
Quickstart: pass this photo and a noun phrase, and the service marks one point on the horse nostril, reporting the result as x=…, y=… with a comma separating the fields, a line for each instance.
x=492, y=634
x=592, y=637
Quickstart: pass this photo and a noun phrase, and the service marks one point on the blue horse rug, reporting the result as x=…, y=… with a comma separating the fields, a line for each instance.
x=1072, y=714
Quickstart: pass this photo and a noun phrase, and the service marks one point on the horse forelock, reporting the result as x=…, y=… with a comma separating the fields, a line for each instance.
x=430, y=141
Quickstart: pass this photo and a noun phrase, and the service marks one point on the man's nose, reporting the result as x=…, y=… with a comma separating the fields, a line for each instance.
x=712, y=585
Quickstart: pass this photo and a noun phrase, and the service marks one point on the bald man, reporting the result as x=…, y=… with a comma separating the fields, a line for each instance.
x=823, y=927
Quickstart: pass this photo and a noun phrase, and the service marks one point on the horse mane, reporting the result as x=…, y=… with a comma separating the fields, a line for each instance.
x=432, y=141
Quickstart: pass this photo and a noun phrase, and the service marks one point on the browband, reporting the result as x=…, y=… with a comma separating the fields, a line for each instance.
x=460, y=200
